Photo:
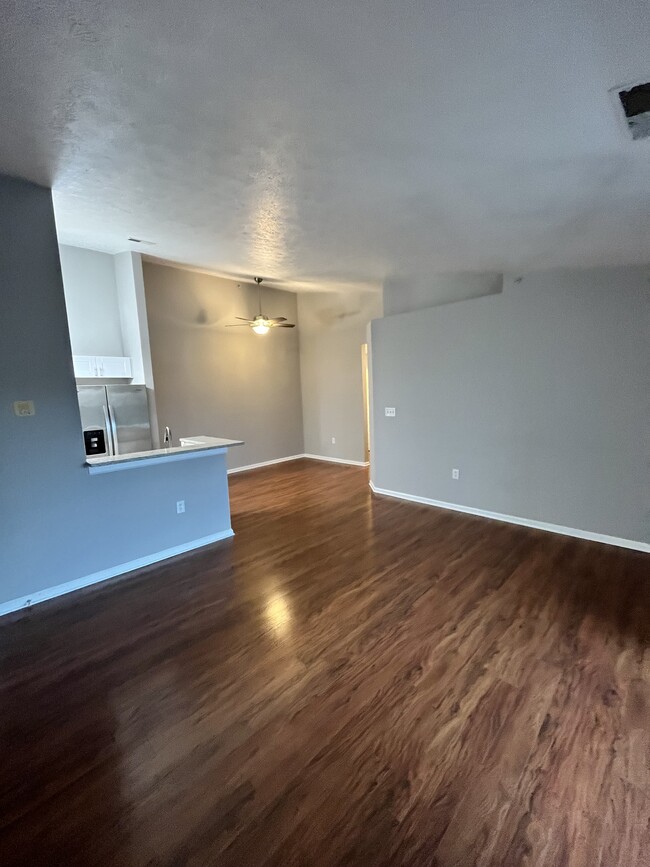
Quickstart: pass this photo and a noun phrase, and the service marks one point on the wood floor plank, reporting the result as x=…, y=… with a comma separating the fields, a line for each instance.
x=351, y=680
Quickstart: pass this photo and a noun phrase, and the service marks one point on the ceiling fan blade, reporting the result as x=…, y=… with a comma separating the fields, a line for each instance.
x=241, y=319
x=282, y=325
x=238, y=326
x=277, y=319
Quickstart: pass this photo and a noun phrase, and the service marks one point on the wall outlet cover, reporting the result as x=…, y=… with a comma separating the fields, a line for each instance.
x=24, y=407
x=389, y=411
x=455, y=474
x=180, y=507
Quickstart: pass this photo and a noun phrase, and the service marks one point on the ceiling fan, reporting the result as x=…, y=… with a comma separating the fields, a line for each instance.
x=262, y=323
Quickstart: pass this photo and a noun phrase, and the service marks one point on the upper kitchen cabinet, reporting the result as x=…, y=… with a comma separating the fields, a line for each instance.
x=102, y=366
x=84, y=366
x=107, y=317
x=114, y=366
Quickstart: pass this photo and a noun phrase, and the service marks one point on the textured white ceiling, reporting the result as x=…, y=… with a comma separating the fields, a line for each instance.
x=333, y=143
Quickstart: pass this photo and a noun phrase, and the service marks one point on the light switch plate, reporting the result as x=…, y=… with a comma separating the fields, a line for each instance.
x=24, y=407
x=389, y=411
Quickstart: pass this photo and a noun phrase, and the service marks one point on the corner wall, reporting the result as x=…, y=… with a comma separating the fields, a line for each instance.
x=333, y=328
x=219, y=381
x=407, y=293
x=538, y=395
x=92, y=304
x=58, y=524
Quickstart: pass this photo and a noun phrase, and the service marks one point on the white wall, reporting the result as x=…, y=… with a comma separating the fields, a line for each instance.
x=333, y=327
x=133, y=315
x=91, y=301
x=538, y=395
x=132, y=303
x=58, y=523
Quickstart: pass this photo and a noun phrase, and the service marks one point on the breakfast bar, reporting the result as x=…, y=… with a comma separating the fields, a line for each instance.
x=190, y=448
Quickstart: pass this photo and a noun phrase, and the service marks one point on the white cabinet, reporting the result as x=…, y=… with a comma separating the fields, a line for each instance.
x=114, y=366
x=102, y=366
x=84, y=366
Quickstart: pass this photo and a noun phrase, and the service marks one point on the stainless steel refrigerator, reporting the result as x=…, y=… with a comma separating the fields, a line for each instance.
x=114, y=419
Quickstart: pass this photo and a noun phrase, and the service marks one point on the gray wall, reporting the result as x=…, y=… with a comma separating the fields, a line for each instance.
x=540, y=396
x=223, y=381
x=91, y=301
x=406, y=293
x=333, y=328
x=58, y=523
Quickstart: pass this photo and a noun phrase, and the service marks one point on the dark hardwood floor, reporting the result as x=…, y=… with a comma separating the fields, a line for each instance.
x=350, y=680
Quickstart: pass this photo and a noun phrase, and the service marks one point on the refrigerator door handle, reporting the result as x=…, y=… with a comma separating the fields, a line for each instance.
x=109, y=432
x=111, y=416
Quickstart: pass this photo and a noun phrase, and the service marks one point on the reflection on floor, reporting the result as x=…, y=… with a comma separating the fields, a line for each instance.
x=350, y=680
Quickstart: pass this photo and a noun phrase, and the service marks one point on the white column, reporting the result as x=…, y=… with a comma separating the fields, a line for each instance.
x=135, y=327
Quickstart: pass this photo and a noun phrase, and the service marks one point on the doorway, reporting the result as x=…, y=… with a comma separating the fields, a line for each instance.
x=366, y=402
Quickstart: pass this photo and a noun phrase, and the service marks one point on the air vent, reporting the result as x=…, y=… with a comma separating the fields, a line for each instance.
x=142, y=241
x=635, y=102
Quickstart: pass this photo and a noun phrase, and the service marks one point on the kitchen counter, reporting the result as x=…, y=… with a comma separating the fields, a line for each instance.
x=191, y=447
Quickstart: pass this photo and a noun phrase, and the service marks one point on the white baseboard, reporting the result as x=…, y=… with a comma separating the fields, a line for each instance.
x=295, y=458
x=105, y=574
x=335, y=460
x=264, y=464
x=523, y=522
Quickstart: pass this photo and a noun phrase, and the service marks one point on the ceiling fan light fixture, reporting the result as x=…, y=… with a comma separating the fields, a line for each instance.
x=261, y=324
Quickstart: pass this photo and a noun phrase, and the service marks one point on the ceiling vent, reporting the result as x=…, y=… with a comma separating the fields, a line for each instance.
x=142, y=241
x=635, y=102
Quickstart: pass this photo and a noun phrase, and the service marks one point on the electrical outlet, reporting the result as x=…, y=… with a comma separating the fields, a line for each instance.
x=389, y=411
x=455, y=474
x=333, y=441
x=180, y=507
